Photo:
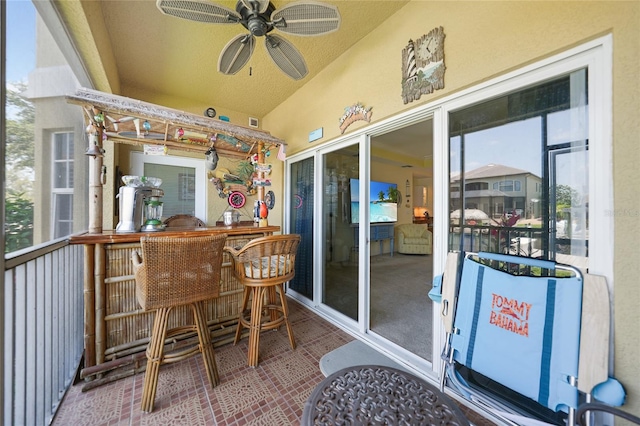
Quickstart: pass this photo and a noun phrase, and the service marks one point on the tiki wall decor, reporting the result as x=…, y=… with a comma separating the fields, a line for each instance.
x=423, y=65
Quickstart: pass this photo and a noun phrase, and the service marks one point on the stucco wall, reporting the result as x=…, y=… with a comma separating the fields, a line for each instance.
x=484, y=40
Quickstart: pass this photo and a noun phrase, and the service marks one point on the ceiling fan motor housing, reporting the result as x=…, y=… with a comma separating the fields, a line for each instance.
x=258, y=24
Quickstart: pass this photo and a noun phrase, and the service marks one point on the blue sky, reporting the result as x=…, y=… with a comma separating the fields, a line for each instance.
x=21, y=34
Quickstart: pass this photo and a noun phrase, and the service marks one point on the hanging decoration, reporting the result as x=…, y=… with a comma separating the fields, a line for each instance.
x=237, y=199
x=408, y=193
x=270, y=199
x=423, y=65
x=211, y=156
x=354, y=113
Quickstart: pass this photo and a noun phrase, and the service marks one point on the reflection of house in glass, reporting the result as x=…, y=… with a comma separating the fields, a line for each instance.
x=497, y=190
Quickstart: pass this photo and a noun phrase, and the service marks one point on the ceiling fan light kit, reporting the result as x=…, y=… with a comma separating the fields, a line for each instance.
x=260, y=18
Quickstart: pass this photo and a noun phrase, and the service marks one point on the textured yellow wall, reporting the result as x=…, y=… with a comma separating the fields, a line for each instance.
x=483, y=40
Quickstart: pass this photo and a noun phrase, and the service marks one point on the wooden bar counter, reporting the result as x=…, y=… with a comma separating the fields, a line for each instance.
x=116, y=329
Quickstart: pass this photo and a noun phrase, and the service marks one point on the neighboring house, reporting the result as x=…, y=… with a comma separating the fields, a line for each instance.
x=499, y=190
x=61, y=169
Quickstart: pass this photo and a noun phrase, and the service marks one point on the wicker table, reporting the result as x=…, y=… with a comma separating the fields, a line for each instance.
x=375, y=394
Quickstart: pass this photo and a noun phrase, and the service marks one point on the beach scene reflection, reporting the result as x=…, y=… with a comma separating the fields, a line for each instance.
x=383, y=206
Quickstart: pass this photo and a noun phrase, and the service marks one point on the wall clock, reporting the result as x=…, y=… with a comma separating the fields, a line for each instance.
x=423, y=65
x=210, y=112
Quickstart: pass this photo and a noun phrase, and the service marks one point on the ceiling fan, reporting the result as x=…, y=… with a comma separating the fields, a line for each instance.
x=260, y=17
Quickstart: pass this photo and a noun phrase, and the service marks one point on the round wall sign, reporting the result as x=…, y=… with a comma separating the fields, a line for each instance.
x=237, y=199
x=270, y=199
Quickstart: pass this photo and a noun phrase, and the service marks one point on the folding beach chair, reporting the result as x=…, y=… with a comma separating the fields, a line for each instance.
x=527, y=339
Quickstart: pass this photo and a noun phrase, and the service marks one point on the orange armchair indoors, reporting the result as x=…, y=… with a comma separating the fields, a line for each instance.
x=177, y=271
x=263, y=266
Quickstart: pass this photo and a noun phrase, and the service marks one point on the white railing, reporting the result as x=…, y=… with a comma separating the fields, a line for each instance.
x=43, y=330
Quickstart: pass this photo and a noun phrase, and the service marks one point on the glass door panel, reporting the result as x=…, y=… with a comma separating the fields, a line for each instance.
x=519, y=173
x=340, y=232
x=301, y=222
x=401, y=270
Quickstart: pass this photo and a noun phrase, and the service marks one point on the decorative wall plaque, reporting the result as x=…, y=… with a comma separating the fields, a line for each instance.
x=423, y=65
x=353, y=113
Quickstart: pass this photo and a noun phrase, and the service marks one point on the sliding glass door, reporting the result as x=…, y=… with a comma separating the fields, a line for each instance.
x=340, y=289
x=401, y=260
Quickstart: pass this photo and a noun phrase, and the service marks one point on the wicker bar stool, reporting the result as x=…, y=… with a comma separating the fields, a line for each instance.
x=176, y=271
x=263, y=266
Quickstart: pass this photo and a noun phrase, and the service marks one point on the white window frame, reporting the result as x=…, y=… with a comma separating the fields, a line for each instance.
x=138, y=160
x=66, y=190
x=597, y=57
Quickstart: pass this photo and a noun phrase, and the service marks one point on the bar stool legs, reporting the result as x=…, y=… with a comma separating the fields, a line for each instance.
x=154, y=358
x=285, y=311
x=206, y=344
x=157, y=357
x=172, y=272
x=263, y=266
x=263, y=316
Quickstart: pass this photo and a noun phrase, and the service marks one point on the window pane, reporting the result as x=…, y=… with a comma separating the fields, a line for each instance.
x=60, y=147
x=60, y=175
x=70, y=173
x=63, y=215
x=530, y=147
x=179, y=188
x=69, y=137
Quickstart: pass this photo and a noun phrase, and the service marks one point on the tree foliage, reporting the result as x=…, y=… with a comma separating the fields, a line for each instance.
x=20, y=128
x=19, y=169
x=18, y=222
x=393, y=194
x=567, y=196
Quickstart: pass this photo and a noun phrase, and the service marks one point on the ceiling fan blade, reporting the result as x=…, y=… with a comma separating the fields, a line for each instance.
x=236, y=54
x=199, y=11
x=286, y=56
x=307, y=18
x=260, y=5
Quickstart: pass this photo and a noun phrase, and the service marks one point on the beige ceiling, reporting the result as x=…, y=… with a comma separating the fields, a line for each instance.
x=178, y=58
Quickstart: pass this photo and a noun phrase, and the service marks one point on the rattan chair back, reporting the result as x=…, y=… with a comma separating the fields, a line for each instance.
x=267, y=260
x=178, y=270
x=183, y=221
